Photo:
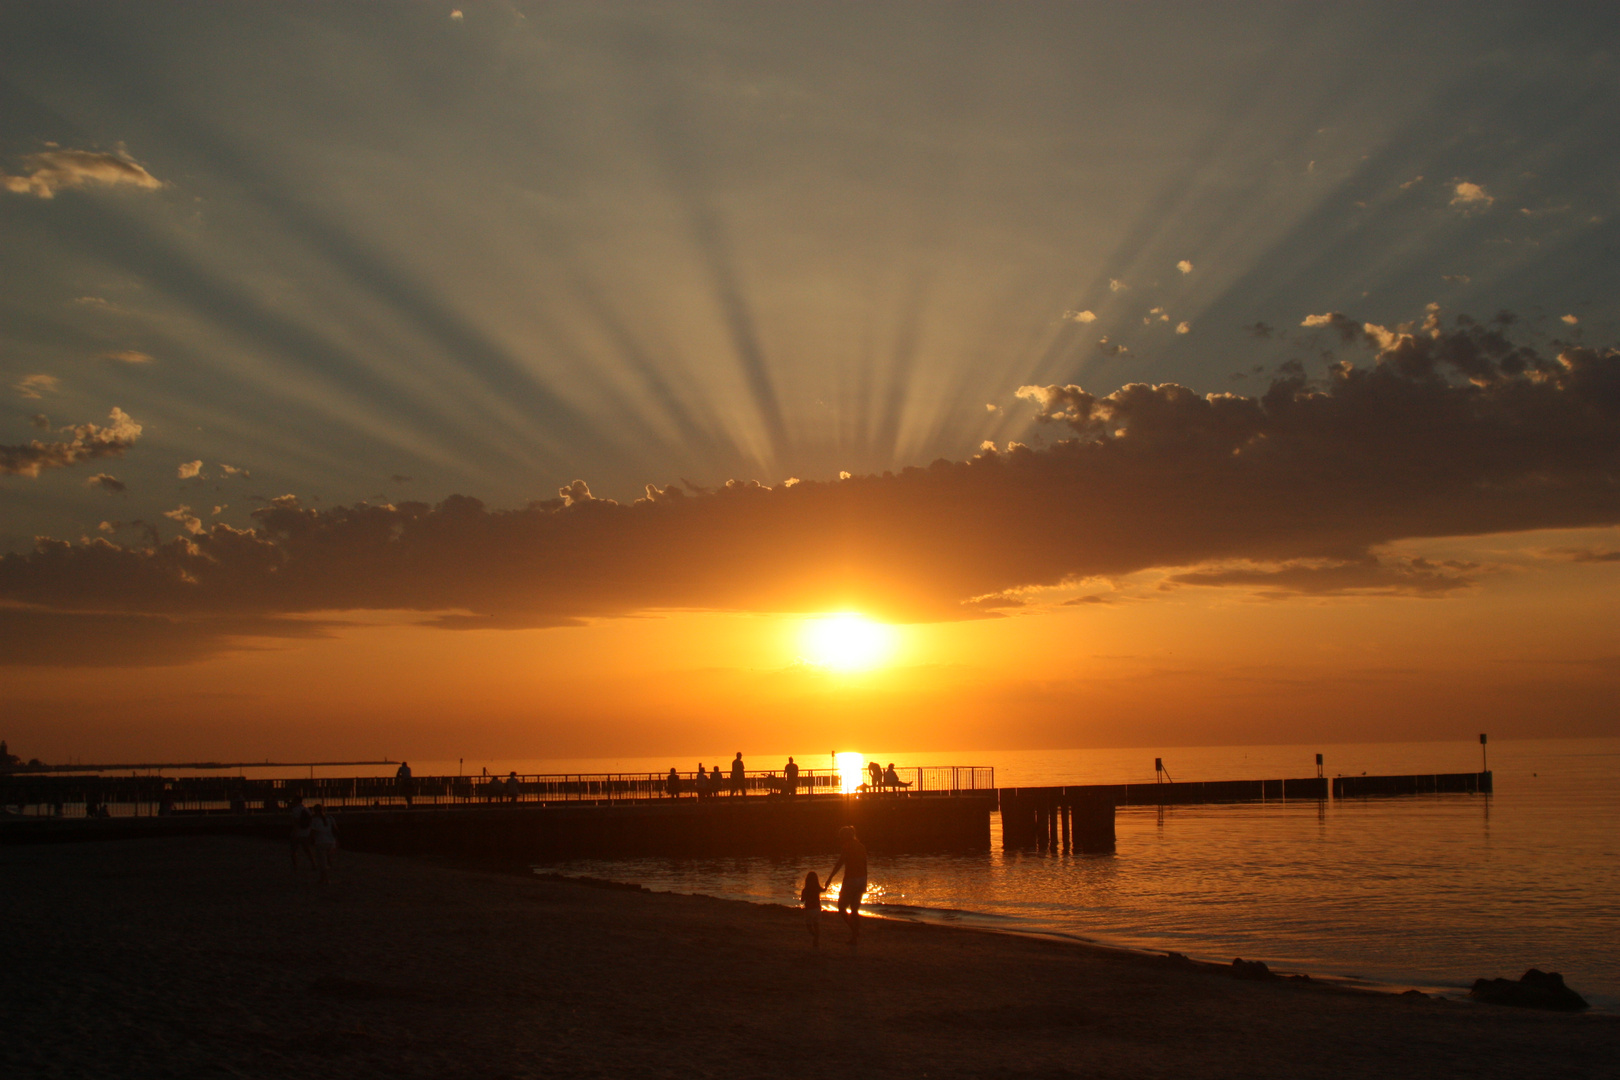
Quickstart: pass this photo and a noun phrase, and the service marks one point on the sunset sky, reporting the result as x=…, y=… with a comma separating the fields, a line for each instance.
x=534, y=379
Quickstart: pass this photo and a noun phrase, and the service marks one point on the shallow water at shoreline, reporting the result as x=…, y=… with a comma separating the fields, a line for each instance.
x=1428, y=892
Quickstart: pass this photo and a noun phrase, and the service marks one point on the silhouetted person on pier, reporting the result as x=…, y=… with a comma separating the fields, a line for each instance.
x=402, y=777
x=513, y=787
x=701, y=782
x=323, y=831
x=852, y=860
x=737, y=774
x=891, y=779
x=717, y=783
x=874, y=776
x=673, y=784
x=790, y=776
x=810, y=899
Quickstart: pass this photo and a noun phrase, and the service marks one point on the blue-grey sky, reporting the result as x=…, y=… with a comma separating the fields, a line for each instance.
x=390, y=252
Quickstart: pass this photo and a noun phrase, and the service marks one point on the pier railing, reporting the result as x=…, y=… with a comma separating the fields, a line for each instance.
x=91, y=796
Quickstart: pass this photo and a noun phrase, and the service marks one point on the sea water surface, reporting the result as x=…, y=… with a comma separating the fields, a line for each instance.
x=1427, y=892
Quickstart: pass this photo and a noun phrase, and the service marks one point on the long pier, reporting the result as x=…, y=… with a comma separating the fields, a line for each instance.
x=541, y=818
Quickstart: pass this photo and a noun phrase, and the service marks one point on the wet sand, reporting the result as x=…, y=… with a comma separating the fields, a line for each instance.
x=207, y=957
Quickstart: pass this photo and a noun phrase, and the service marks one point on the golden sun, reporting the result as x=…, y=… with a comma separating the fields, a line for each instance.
x=847, y=642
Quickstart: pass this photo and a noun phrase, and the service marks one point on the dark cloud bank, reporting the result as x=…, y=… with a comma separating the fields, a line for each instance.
x=1448, y=432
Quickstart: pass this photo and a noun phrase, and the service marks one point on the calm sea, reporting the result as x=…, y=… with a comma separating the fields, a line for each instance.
x=1428, y=892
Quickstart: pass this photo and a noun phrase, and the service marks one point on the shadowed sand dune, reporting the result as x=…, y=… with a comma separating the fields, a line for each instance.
x=192, y=957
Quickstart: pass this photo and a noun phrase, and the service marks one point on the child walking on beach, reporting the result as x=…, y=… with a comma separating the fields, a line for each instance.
x=810, y=897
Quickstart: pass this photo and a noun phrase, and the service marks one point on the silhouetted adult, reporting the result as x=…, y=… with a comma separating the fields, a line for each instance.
x=852, y=860
x=790, y=776
x=874, y=776
x=323, y=831
x=891, y=779
x=513, y=787
x=673, y=783
x=717, y=783
x=402, y=777
x=701, y=782
x=300, y=839
x=737, y=774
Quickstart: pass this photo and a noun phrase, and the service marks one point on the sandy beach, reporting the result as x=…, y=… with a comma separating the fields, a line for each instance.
x=207, y=956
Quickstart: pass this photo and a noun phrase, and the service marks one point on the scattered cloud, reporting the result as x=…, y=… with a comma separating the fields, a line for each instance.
x=229, y=471
x=1116, y=285
x=128, y=356
x=1184, y=327
x=191, y=470
x=1295, y=491
x=40, y=421
x=186, y=518
x=34, y=387
x=88, y=443
x=1080, y=316
x=1587, y=555
x=1108, y=348
x=106, y=482
x=57, y=170
x=1369, y=576
x=1416, y=180
x=1185, y=266
x=991, y=406
x=456, y=15
x=1470, y=195
x=1569, y=320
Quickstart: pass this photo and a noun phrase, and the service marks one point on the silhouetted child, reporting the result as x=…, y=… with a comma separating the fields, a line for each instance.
x=810, y=897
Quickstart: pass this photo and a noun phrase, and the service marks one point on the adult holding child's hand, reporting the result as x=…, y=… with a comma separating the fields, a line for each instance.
x=852, y=860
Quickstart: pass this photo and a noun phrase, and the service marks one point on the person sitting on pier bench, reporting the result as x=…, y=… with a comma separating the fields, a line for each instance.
x=673, y=784
x=737, y=774
x=892, y=780
x=790, y=777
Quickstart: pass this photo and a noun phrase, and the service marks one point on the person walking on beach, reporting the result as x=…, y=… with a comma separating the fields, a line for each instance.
x=737, y=774
x=852, y=859
x=790, y=776
x=323, y=831
x=810, y=898
x=300, y=839
x=402, y=778
x=673, y=784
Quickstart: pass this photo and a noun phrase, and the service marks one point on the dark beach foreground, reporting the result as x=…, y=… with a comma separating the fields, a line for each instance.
x=206, y=956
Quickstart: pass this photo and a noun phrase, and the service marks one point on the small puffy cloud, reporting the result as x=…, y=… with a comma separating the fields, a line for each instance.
x=991, y=406
x=456, y=15
x=1185, y=266
x=1116, y=285
x=218, y=510
x=106, y=482
x=58, y=170
x=1184, y=327
x=577, y=492
x=1416, y=180
x=1346, y=327
x=1080, y=316
x=1568, y=320
x=844, y=474
x=190, y=470
x=1470, y=195
x=34, y=387
x=89, y=442
x=230, y=471
x=1109, y=348
x=128, y=356
x=186, y=518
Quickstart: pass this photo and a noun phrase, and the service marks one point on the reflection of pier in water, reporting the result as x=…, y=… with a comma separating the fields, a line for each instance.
x=536, y=818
